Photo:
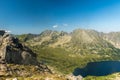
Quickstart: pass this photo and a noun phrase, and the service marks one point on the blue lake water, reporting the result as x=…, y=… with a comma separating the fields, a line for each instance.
x=98, y=68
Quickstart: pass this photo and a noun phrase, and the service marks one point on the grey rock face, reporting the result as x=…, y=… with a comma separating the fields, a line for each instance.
x=12, y=51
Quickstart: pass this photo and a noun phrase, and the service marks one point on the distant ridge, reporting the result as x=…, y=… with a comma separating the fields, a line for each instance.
x=80, y=41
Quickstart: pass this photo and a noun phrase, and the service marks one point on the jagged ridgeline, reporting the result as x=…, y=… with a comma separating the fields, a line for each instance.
x=80, y=41
x=66, y=51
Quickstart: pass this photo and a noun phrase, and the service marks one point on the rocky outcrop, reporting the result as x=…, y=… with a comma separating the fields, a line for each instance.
x=72, y=77
x=3, y=68
x=13, y=52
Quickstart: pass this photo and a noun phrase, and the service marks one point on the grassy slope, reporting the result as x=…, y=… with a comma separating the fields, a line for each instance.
x=65, y=61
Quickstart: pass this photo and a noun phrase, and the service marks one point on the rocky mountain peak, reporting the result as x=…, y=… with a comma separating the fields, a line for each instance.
x=86, y=36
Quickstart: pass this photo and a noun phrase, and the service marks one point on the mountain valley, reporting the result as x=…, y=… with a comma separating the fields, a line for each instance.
x=57, y=53
x=66, y=51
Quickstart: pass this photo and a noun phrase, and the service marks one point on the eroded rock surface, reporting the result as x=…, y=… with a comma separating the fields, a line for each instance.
x=13, y=52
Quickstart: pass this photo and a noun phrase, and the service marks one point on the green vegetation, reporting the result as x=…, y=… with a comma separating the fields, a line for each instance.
x=28, y=72
x=64, y=61
x=35, y=77
x=67, y=51
x=25, y=37
x=115, y=76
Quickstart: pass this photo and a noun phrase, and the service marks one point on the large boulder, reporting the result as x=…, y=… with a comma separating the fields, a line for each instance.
x=14, y=52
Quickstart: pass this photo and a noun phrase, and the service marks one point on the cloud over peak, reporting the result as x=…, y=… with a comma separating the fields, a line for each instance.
x=55, y=26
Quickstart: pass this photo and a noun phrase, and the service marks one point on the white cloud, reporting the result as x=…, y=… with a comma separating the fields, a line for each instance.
x=65, y=24
x=55, y=26
x=7, y=31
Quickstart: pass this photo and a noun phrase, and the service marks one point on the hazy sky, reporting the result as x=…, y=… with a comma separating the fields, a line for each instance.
x=34, y=16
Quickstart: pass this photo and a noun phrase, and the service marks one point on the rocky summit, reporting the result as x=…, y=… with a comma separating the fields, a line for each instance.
x=15, y=53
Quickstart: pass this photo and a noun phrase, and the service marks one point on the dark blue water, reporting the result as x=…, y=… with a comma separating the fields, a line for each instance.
x=98, y=68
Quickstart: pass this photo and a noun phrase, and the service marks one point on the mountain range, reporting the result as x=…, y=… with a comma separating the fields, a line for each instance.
x=66, y=51
x=80, y=41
